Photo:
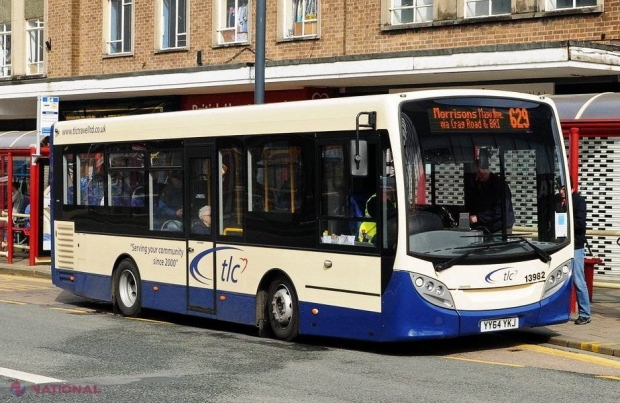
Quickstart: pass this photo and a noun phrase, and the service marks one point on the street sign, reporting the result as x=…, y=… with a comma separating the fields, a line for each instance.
x=47, y=116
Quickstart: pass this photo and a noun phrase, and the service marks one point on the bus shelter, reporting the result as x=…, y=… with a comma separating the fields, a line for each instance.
x=591, y=123
x=24, y=219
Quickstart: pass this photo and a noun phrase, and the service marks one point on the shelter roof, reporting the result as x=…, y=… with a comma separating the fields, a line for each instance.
x=18, y=140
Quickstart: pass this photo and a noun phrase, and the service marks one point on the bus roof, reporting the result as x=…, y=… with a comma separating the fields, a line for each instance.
x=285, y=117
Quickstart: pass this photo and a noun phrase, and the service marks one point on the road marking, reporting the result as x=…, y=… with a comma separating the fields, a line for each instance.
x=568, y=354
x=613, y=378
x=486, y=362
x=22, y=287
x=27, y=377
x=13, y=302
x=70, y=310
x=8, y=277
x=148, y=320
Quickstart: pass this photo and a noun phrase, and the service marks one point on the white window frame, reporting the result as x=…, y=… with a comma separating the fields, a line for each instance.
x=5, y=50
x=421, y=11
x=126, y=20
x=472, y=11
x=34, y=46
x=174, y=34
x=301, y=18
x=233, y=21
x=552, y=5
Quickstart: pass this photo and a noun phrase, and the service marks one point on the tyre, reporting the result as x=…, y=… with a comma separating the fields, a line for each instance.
x=128, y=288
x=282, y=309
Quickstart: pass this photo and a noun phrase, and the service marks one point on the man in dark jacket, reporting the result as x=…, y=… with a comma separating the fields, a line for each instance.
x=579, y=280
x=484, y=201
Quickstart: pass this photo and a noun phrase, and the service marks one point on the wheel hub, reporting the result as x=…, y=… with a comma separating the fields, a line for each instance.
x=282, y=306
x=128, y=289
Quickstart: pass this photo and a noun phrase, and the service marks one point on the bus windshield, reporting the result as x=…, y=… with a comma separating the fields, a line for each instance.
x=482, y=178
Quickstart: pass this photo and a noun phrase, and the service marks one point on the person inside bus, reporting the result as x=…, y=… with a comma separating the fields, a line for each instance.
x=203, y=225
x=368, y=229
x=484, y=201
x=170, y=203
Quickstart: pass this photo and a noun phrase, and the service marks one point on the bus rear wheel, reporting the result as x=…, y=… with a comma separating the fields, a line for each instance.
x=128, y=289
x=282, y=309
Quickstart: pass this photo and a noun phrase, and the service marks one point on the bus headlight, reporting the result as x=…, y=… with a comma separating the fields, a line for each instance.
x=432, y=290
x=557, y=278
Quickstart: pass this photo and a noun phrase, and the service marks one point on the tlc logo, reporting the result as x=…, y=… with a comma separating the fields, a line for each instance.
x=503, y=275
x=510, y=275
x=230, y=269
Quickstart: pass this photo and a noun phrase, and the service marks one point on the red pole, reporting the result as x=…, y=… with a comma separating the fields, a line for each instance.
x=9, y=223
x=573, y=160
x=573, y=166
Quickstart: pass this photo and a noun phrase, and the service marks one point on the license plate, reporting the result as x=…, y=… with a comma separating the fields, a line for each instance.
x=493, y=325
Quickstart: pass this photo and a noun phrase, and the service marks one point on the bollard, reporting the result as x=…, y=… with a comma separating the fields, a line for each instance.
x=588, y=268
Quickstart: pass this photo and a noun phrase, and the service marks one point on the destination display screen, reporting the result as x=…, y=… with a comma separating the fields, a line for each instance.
x=479, y=119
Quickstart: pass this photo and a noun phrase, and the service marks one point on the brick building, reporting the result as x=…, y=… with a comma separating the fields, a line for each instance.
x=106, y=57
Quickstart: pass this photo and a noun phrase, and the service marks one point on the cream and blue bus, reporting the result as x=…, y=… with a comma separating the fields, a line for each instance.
x=347, y=218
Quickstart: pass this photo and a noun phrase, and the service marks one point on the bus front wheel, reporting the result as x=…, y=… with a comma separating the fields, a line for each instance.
x=282, y=309
x=127, y=288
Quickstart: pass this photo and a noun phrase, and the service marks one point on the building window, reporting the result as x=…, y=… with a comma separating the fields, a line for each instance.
x=234, y=16
x=121, y=21
x=411, y=11
x=5, y=50
x=174, y=24
x=484, y=8
x=34, y=50
x=564, y=4
x=301, y=18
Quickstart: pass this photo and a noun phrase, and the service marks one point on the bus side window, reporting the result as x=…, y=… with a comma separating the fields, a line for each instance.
x=344, y=197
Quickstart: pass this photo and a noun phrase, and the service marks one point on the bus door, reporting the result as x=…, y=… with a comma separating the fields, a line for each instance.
x=200, y=246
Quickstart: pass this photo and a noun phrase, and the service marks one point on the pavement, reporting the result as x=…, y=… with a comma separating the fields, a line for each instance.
x=601, y=336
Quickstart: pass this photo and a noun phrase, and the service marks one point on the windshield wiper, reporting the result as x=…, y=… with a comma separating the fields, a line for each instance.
x=472, y=249
x=542, y=255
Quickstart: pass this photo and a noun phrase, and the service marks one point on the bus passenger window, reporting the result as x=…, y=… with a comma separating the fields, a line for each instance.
x=344, y=197
x=91, y=179
x=68, y=185
x=169, y=209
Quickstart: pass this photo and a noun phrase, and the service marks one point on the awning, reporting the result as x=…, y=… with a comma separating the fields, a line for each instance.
x=595, y=115
x=605, y=105
x=18, y=140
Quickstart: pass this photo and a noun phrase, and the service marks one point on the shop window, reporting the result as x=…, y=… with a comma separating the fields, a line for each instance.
x=120, y=20
x=485, y=8
x=411, y=11
x=174, y=24
x=566, y=4
x=300, y=18
x=233, y=18
x=35, y=45
x=5, y=50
